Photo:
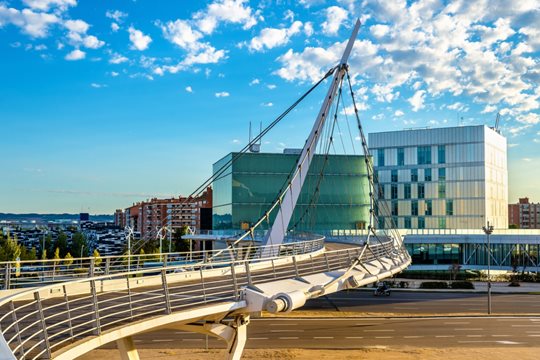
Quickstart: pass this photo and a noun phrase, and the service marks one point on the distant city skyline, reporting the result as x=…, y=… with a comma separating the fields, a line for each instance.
x=103, y=105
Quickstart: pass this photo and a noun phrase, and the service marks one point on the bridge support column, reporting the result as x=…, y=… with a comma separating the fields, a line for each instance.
x=127, y=349
x=238, y=342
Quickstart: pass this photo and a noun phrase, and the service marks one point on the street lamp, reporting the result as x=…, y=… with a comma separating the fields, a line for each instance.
x=488, y=230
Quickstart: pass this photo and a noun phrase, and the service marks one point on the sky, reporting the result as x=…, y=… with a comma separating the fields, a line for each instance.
x=103, y=103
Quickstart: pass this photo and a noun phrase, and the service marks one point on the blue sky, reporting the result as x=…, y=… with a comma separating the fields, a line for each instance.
x=103, y=103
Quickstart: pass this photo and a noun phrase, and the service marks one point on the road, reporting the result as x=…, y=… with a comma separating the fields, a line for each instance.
x=361, y=332
x=426, y=303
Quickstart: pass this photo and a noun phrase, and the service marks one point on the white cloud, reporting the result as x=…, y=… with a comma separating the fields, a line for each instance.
x=189, y=89
x=271, y=37
x=92, y=42
x=97, y=86
x=116, y=15
x=222, y=94
x=527, y=159
x=399, y=113
x=271, y=86
x=181, y=33
x=138, y=40
x=308, y=29
x=40, y=47
x=379, y=30
x=417, y=100
x=489, y=109
x=334, y=19
x=232, y=11
x=378, y=117
x=268, y=104
x=45, y=5
x=115, y=27
x=117, y=58
x=77, y=26
x=254, y=82
x=34, y=24
x=75, y=55
x=114, y=74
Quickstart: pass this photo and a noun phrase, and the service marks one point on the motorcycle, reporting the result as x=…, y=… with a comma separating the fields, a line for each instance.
x=381, y=291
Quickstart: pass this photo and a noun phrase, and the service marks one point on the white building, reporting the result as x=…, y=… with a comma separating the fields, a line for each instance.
x=445, y=178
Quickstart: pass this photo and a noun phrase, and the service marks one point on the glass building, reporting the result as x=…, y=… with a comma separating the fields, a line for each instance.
x=444, y=178
x=247, y=189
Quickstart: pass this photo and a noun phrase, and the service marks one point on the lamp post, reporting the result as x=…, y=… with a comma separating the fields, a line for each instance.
x=488, y=230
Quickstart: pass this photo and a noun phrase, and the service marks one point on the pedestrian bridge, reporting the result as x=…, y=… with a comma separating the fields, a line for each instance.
x=65, y=320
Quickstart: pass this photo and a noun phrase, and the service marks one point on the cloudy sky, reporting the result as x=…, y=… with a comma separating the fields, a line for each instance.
x=105, y=103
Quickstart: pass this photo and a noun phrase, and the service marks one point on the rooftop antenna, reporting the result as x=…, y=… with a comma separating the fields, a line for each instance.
x=497, y=119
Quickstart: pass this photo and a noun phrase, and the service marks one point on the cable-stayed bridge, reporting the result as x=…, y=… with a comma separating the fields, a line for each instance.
x=63, y=313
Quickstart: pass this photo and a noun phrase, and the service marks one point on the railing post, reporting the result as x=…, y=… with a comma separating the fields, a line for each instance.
x=41, y=319
x=165, y=260
x=7, y=277
x=327, y=262
x=305, y=246
x=297, y=274
x=166, y=291
x=107, y=266
x=235, y=283
x=129, y=297
x=68, y=312
x=202, y=284
x=248, y=273
x=91, y=269
x=95, y=307
x=274, y=269
x=16, y=328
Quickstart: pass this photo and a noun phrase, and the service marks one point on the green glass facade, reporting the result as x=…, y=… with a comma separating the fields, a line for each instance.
x=245, y=191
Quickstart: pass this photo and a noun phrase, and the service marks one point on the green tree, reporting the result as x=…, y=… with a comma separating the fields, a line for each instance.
x=61, y=243
x=10, y=250
x=180, y=244
x=44, y=254
x=49, y=244
x=79, y=246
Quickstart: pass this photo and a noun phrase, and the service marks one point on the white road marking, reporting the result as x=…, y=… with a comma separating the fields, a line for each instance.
x=161, y=340
x=412, y=337
x=296, y=330
x=475, y=336
x=354, y=337
x=258, y=338
x=384, y=337
x=323, y=337
x=536, y=325
x=500, y=335
x=533, y=335
x=468, y=329
x=388, y=330
x=444, y=336
x=289, y=338
x=506, y=342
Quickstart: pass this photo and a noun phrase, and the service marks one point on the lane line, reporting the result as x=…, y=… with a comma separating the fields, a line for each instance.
x=323, y=337
x=289, y=338
x=475, y=336
x=413, y=337
x=385, y=330
x=384, y=337
x=444, y=336
x=161, y=340
x=283, y=324
x=468, y=329
x=192, y=339
x=258, y=338
x=354, y=337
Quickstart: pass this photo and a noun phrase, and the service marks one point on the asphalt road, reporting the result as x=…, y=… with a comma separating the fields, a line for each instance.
x=426, y=303
x=361, y=332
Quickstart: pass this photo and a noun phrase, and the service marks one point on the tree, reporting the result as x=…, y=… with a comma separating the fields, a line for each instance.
x=49, y=244
x=10, y=250
x=44, y=254
x=68, y=260
x=79, y=246
x=180, y=244
x=61, y=244
x=97, y=257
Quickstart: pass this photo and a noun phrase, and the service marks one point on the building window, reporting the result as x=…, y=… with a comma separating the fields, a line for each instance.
x=414, y=208
x=442, y=190
x=394, y=193
x=393, y=176
x=380, y=157
x=424, y=155
x=441, y=154
x=421, y=223
x=381, y=191
x=421, y=191
x=429, y=207
x=407, y=222
x=380, y=221
x=414, y=175
x=442, y=174
x=407, y=191
x=401, y=156
x=449, y=207
x=442, y=223
x=394, y=208
x=427, y=174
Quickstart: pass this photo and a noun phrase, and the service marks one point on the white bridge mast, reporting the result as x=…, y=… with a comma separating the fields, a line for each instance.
x=278, y=230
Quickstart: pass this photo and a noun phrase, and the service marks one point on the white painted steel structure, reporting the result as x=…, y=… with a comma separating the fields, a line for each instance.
x=453, y=177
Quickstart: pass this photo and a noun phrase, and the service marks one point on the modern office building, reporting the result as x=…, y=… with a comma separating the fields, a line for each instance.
x=524, y=215
x=444, y=178
x=246, y=190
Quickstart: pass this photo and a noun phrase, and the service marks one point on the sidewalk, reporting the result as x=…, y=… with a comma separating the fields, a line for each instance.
x=479, y=287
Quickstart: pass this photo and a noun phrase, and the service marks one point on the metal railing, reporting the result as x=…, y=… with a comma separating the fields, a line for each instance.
x=30, y=273
x=38, y=322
